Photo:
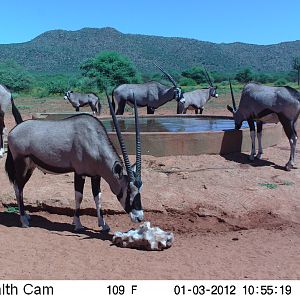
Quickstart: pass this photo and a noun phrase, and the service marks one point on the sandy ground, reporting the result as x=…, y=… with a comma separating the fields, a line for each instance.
x=232, y=219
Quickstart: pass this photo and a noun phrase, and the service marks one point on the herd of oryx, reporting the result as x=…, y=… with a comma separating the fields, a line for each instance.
x=80, y=143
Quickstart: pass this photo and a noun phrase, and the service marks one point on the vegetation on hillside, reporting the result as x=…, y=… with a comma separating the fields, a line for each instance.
x=112, y=69
x=62, y=52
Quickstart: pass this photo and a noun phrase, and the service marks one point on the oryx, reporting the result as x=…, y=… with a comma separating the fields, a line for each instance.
x=265, y=104
x=5, y=100
x=79, y=100
x=78, y=144
x=195, y=100
x=150, y=94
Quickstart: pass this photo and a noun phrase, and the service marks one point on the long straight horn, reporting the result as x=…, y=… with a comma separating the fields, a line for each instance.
x=138, y=150
x=167, y=74
x=232, y=96
x=208, y=77
x=120, y=138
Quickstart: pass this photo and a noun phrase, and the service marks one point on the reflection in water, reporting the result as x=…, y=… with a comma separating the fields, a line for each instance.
x=174, y=124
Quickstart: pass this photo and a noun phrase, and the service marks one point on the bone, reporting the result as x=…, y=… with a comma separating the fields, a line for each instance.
x=144, y=238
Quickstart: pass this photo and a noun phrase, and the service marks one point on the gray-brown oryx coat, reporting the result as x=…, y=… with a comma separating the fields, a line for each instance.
x=77, y=144
x=195, y=100
x=265, y=104
x=5, y=100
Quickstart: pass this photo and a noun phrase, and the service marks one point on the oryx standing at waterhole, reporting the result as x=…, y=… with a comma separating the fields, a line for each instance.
x=195, y=100
x=265, y=104
x=5, y=100
x=150, y=94
x=78, y=144
x=80, y=100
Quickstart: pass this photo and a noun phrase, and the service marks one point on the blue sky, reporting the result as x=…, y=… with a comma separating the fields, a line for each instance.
x=251, y=21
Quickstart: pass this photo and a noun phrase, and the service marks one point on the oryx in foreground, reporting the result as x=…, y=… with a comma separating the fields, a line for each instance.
x=79, y=100
x=265, y=104
x=195, y=100
x=150, y=94
x=78, y=144
x=5, y=100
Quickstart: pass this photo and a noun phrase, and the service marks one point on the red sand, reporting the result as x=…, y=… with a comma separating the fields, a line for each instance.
x=226, y=224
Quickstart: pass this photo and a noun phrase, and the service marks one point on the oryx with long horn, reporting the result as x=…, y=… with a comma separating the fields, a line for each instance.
x=78, y=144
x=5, y=100
x=150, y=94
x=195, y=100
x=265, y=104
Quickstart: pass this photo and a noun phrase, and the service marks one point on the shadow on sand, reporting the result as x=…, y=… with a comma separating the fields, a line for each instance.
x=232, y=147
x=243, y=159
x=13, y=220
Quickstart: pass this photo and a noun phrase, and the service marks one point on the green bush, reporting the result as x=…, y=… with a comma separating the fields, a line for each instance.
x=15, y=77
x=110, y=69
x=187, y=81
x=40, y=92
x=280, y=82
x=244, y=75
x=195, y=73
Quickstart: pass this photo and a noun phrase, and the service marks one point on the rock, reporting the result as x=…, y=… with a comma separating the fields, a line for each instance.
x=144, y=238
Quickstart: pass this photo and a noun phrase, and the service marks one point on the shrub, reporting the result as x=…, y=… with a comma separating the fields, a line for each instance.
x=187, y=81
x=110, y=69
x=280, y=82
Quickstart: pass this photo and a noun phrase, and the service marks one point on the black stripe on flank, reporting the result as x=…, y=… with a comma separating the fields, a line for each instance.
x=49, y=168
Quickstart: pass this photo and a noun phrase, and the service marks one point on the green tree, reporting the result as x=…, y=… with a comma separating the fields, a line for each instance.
x=296, y=66
x=110, y=69
x=195, y=73
x=244, y=75
x=15, y=77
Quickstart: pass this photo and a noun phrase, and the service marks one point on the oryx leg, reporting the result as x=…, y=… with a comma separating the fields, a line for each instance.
x=2, y=126
x=201, y=110
x=95, y=181
x=290, y=131
x=259, y=125
x=77, y=108
x=93, y=108
x=252, y=135
x=1, y=144
x=196, y=111
x=24, y=170
x=294, y=143
x=121, y=107
x=150, y=110
x=78, y=185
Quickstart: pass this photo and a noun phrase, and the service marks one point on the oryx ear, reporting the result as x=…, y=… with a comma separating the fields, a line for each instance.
x=118, y=170
x=230, y=108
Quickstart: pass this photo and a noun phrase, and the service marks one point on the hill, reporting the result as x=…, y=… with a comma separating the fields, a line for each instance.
x=61, y=51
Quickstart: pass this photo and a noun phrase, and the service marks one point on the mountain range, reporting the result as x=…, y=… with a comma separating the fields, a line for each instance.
x=62, y=52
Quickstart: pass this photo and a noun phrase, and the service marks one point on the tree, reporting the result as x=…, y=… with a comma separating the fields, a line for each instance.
x=244, y=75
x=296, y=66
x=15, y=77
x=195, y=73
x=110, y=69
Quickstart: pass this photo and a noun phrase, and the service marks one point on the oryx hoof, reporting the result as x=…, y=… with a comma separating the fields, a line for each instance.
x=24, y=221
x=105, y=228
x=288, y=167
x=79, y=228
x=251, y=157
x=258, y=156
